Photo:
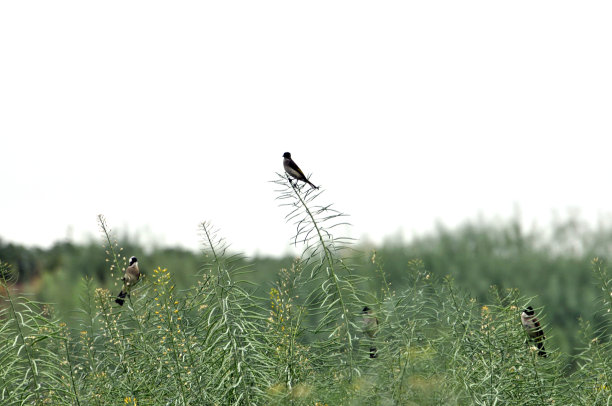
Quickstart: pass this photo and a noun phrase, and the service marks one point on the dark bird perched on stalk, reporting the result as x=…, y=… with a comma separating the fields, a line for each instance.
x=293, y=170
x=370, y=328
x=532, y=326
x=130, y=277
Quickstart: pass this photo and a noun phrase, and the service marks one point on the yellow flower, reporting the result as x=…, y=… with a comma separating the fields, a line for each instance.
x=301, y=391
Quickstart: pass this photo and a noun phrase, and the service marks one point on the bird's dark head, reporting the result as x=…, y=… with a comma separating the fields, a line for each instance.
x=133, y=260
x=287, y=155
x=529, y=311
x=366, y=310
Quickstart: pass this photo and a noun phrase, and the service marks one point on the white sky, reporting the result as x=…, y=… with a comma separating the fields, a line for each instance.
x=163, y=114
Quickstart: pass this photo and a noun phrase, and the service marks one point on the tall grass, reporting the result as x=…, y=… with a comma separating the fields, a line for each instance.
x=302, y=343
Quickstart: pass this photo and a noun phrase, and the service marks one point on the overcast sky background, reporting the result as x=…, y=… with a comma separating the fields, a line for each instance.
x=163, y=114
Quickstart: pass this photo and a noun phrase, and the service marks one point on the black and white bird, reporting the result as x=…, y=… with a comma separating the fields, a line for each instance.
x=370, y=328
x=293, y=170
x=532, y=326
x=130, y=277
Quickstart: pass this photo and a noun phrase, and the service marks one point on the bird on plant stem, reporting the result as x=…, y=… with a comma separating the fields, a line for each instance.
x=370, y=328
x=293, y=170
x=130, y=277
x=532, y=326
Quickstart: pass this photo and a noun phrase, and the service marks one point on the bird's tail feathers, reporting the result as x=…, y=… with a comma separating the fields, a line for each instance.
x=120, y=297
x=311, y=184
x=542, y=351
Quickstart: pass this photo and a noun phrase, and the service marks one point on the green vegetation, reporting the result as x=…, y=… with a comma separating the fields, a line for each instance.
x=217, y=328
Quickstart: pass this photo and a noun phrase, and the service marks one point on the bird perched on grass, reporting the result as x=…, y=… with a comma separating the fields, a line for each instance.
x=532, y=326
x=293, y=170
x=370, y=328
x=130, y=277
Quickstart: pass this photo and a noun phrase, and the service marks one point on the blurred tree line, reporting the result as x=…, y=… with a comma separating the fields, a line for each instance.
x=553, y=266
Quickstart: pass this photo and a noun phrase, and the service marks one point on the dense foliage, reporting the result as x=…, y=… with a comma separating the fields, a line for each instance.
x=219, y=329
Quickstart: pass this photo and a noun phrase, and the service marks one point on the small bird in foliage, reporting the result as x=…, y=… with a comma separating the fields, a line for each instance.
x=293, y=170
x=532, y=326
x=130, y=277
x=370, y=328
